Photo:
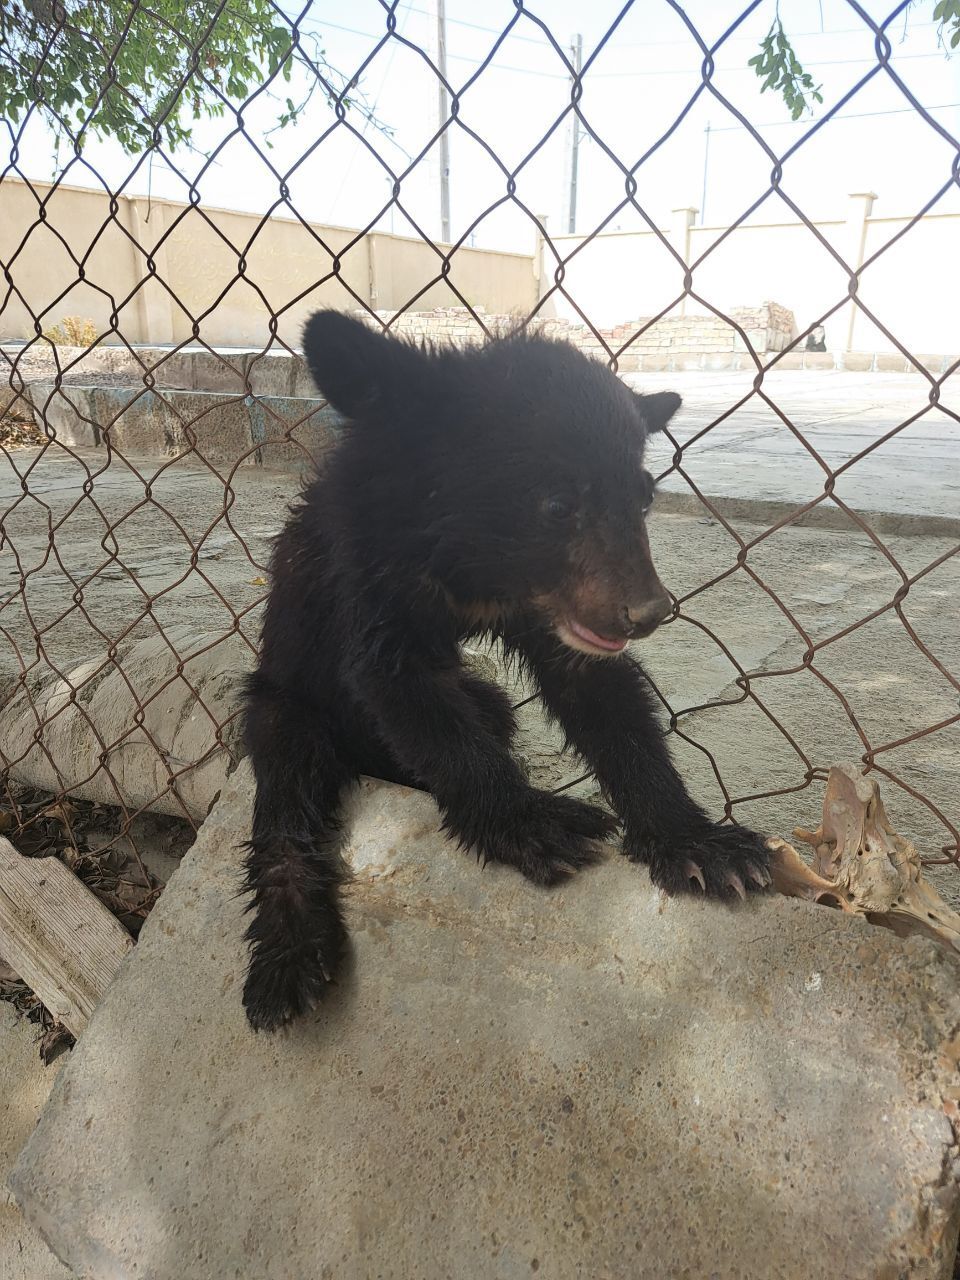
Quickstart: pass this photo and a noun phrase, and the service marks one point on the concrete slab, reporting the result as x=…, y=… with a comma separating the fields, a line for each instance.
x=68, y=411
x=748, y=455
x=303, y=383
x=293, y=433
x=170, y=423
x=25, y=1084
x=596, y=1082
x=278, y=432
x=273, y=374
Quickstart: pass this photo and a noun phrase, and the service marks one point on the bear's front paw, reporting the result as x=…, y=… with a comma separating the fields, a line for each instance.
x=285, y=982
x=721, y=861
x=549, y=837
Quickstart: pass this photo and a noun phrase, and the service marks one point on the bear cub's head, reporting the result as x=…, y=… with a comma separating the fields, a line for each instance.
x=508, y=476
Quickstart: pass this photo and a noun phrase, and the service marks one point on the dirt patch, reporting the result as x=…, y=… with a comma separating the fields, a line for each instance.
x=18, y=432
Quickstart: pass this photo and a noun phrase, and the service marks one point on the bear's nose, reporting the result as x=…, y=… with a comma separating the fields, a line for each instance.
x=644, y=617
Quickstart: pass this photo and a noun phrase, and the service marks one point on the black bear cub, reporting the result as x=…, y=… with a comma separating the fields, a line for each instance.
x=500, y=491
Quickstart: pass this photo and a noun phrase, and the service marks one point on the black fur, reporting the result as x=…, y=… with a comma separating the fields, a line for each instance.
x=496, y=490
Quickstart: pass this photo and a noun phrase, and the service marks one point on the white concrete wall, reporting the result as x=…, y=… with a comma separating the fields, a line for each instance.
x=615, y=278
x=196, y=257
x=629, y=274
x=912, y=286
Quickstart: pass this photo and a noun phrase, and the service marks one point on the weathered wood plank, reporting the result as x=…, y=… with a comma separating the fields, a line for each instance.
x=60, y=939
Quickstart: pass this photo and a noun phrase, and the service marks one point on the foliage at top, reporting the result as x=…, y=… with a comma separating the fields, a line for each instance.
x=780, y=69
x=947, y=13
x=778, y=66
x=144, y=73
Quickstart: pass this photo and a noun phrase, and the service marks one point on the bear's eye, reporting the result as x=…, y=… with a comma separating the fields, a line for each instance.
x=559, y=508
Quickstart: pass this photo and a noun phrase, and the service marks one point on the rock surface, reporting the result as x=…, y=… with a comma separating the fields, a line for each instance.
x=590, y=1083
x=24, y=1085
x=153, y=727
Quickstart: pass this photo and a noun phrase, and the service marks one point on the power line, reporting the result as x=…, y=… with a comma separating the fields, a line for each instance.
x=476, y=26
x=853, y=115
x=644, y=44
x=456, y=57
x=367, y=122
x=608, y=75
x=814, y=66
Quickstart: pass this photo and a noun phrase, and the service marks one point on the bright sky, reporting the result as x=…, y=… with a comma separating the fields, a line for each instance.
x=635, y=87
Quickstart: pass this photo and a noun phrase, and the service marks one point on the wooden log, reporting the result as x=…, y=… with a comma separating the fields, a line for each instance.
x=59, y=937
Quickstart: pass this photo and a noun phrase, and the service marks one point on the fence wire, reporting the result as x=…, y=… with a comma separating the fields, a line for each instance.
x=41, y=675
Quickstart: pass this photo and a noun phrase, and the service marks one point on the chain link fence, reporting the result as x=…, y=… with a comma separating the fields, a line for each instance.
x=147, y=462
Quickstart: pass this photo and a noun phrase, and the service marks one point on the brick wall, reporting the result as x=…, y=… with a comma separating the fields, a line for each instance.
x=768, y=328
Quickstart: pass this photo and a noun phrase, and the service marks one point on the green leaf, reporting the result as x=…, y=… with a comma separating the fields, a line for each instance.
x=780, y=69
x=171, y=61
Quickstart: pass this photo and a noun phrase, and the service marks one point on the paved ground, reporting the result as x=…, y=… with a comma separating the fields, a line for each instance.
x=752, y=455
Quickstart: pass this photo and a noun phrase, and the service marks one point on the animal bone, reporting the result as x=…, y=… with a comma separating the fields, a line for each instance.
x=861, y=865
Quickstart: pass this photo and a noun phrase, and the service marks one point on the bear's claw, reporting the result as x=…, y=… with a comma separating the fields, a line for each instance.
x=726, y=861
x=693, y=872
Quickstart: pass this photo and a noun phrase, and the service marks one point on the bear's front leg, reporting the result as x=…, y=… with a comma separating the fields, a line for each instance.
x=604, y=707
x=427, y=711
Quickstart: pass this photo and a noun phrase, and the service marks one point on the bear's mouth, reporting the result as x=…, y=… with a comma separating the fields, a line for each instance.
x=576, y=635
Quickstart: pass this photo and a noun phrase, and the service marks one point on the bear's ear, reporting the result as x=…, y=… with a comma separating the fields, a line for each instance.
x=658, y=409
x=354, y=366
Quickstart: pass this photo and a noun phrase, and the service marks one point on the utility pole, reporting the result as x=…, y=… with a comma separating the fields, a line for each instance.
x=443, y=114
x=576, y=56
x=706, y=159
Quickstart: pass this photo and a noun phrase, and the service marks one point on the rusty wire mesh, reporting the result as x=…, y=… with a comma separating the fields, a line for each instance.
x=29, y=634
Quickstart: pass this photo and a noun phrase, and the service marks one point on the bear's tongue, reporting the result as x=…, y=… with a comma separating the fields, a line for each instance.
x=591, y=637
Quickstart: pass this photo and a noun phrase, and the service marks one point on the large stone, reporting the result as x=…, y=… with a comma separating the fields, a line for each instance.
x=25, y=1084
x=154, y=727
x=595, y=1082
x=14, y=401
x=818, y=360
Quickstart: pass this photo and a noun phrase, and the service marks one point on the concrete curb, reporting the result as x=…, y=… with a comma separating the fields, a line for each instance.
x=280, y=373
x=230, y=429
x=238, y=371
x=826, y=515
